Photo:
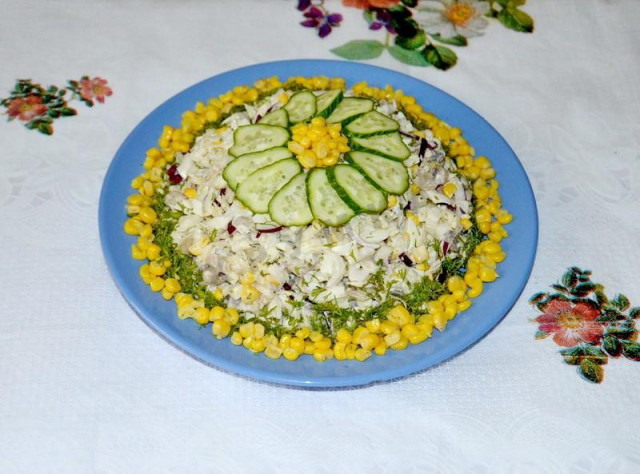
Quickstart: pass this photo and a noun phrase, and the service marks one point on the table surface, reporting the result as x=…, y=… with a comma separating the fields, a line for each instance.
x=86, y=386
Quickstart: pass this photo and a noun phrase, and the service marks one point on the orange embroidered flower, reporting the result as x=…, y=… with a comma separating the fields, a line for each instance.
x=95, y=88
x=365, y=4
x=26, y=109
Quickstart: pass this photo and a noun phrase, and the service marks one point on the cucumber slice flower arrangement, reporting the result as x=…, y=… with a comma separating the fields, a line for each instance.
x=307, y=218
x=303, y=143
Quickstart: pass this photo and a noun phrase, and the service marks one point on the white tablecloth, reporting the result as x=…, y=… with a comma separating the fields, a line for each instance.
x=85, y=386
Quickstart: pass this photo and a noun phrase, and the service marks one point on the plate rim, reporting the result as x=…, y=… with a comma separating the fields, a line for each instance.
x=331, y=381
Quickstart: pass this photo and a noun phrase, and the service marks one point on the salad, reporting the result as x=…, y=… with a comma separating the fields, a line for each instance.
x=305, y=217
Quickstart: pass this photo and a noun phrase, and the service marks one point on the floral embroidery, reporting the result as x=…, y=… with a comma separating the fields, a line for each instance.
x=38, y=107
x=318, y=17
x=421, y=30
x=590, y=327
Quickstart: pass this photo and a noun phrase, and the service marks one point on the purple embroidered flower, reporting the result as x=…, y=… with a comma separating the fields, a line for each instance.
x=381, y=18
x=317, y=17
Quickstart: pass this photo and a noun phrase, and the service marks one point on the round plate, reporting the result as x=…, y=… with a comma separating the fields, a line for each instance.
x=461, y=333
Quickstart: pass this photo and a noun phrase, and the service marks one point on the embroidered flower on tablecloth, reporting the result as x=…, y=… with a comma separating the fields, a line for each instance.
x=38, y=107
x=587, y=324
x=366, y=4
x=95, y=88
x=26, y=108
x=449, y=18
x=318, y=17
x=418, y=32
x=571, y=323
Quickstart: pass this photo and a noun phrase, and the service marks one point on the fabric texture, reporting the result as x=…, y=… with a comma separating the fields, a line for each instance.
x=86, y=386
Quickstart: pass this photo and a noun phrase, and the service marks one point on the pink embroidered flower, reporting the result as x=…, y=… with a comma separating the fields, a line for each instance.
x=95, y=88
x=570, y=323
x=365, y=4
x=26, y=109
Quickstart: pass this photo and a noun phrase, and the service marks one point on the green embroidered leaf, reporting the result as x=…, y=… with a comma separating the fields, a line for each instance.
x=607, y=315
x=440, y=56
x=622, y=332
x=412, y=43
x=631, y=350
x=67, y=111
x=537, y=297
x=541, y=335
x=405, y=26
x=612, y=346
x=457, y=40
x=368, y=16
x=359, y=49
x=591, y=371
x=573, y=355
x=621, y=302
x=410, y=3
x=596, y=355
x=399, y=11
x=413, y=58
x=601, y=298
x=53, y=113
x=45, y=128
x=582, y=289
x=516, y=20
x=558, y=287
x=541, y=305
x=569, y=279
x=634, y=313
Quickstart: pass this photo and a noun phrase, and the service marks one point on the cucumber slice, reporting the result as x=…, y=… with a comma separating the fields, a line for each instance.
x=301, y=106
x=258, y=137
x=372, y=123
x=327, y=102
x=354, y=189
x=349, y=108
x=278, y=117
x=389, y=175
x=324, y=201
x=290, y=206
x=237, y=170
x=389, y=145
x=256, y=191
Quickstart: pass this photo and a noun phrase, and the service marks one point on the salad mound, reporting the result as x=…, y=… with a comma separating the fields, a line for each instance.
x=307, y=218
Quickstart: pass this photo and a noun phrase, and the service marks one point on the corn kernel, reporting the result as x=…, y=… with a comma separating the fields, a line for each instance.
x=249, y=294
x=236, y=338
x=220, y=328
x=400, y=316
x=231, y=315
x=172, y=285
x=216, y=313
x=157, y=284
x=138, y=253
x=290, y=353
x=153, y=251
x=373, y=326
x=297, y=344
x=303, y=333
x=191, y=193
x=362, y=354
x=343, y=336
x=401, y=344
x=381, y=348
x=202, y=315
x=273, y=352
x=449, y=190
x=167, y=294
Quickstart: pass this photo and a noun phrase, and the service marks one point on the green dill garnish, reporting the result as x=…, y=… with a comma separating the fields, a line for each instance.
x=455, y=265
x=424, y=291
x=183, y=267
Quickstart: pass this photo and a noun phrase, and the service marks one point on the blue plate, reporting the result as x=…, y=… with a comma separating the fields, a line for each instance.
x=461, y=333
